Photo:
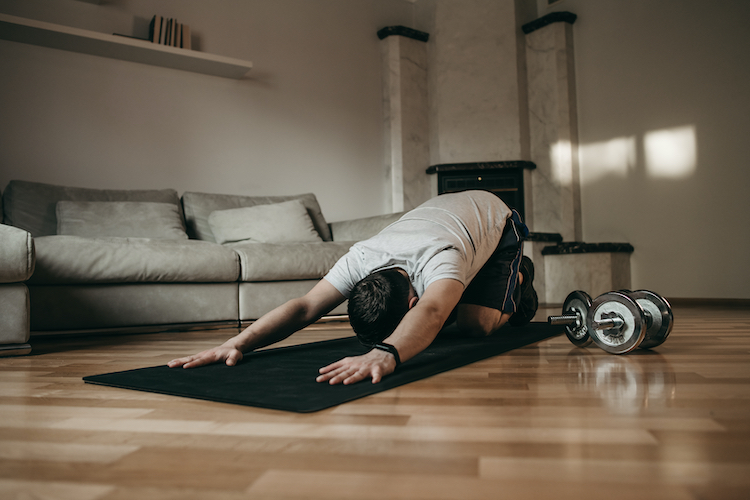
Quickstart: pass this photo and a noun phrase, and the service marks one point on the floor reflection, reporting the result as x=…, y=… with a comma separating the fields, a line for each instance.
x=627, y=385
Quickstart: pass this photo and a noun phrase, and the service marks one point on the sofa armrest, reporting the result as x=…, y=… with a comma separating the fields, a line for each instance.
x=361, y=229
x=17, y=254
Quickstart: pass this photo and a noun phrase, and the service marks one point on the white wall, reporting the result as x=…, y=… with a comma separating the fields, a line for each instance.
x=679, y=66
x=307, y=119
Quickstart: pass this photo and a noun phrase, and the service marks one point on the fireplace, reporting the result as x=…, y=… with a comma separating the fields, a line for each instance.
x=503, y=178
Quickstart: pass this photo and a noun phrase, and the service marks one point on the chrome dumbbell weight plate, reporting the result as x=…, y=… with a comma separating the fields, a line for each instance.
x=575, y=310
x=578, y=303
x=659, y=317
x=616, y=323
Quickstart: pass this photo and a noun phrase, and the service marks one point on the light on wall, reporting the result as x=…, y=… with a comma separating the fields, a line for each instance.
x=561, y=161
x=671, y=153
x=606, y=158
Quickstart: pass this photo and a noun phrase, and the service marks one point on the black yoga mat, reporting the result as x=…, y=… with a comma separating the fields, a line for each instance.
x=284, y=378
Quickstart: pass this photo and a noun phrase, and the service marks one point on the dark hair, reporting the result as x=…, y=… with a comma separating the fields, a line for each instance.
x=377, y=304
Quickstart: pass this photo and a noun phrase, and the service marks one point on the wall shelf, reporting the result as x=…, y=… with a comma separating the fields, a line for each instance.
x=18, y=29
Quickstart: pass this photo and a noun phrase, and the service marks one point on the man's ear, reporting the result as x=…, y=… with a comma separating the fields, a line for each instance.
x=413, y=302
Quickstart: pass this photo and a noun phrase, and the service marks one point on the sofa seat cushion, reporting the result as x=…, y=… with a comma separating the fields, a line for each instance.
x=73, y=259
x=288, y=261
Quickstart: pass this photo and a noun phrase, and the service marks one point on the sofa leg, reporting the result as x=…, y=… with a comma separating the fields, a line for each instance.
x=14, y=350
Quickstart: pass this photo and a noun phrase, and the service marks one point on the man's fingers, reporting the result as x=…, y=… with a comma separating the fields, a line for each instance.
x=194, y=363
x=218, y=354
x=331, y=373
x=180, y=361
x=333, y=366
x=356, y=377
x=352, y=370
x=199, y=359
x=234, y=358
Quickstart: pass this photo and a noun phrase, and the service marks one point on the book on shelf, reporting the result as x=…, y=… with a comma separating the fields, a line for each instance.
x=154, y=29
x=186, y=44
x=167, y=31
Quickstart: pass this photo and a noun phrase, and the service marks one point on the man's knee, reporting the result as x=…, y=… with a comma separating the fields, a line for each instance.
x=477, y=321
x=476, y=326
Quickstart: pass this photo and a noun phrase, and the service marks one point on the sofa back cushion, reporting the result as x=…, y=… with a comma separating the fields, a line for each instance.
x=286, y=222
x=362, y=229
x=32, y=205
x=198, y=206
x=126, y=219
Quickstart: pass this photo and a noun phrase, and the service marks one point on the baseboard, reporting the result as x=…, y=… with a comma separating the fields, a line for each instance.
x=325, y=320
x=714, y=303
x=214, y=325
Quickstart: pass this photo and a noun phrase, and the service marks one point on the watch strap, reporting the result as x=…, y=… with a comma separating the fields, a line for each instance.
x=389, y=348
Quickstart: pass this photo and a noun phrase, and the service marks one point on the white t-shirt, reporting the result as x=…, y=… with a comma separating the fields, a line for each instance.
x=450, y=236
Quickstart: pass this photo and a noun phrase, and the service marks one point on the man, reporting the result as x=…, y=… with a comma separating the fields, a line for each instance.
x=457, y=256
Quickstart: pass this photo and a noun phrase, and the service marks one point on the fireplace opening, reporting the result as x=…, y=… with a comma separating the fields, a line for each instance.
x=503, y=178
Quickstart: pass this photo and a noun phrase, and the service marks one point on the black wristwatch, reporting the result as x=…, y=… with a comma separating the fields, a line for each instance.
x=389, y=348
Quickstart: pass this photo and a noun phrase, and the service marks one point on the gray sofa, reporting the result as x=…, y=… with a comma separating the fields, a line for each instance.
x=17, y=258
x=86, y=260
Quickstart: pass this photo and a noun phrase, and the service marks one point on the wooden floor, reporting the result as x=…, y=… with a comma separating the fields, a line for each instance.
x=545, y=421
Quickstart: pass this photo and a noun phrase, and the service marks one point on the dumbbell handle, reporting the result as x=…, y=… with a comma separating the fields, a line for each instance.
x=603, y=324
x=609, y=323
x=571, y=319
x=565, y=319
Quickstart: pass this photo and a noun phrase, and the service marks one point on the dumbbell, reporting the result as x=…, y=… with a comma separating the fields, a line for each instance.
x=618, y=322
x=575, y=311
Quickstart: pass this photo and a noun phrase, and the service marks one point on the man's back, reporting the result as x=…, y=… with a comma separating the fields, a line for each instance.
x=450, y=236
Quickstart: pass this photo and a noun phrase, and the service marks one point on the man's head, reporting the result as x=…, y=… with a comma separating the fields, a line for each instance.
x=378, y=303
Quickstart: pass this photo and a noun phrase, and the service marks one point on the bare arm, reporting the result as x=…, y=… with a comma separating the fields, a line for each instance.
x=414, y=334
x=271, y=328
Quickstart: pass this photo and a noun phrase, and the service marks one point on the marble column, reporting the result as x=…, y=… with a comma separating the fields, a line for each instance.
x=477, y=100
x=406, y=119
x=553, y=191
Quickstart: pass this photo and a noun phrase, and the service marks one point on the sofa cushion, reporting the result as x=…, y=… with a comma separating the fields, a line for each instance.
x=14, y=314
x=17, y=254
x=279, y=262
x=285, y=222
x=198, y=206
x=74, y=259
x=32, y=205
x=362, y=229
x=125, y=307
x=128, y=219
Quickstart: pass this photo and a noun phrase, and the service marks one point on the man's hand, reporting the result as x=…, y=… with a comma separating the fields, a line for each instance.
x=375, y=364
x=270, y=328
x=226, y=353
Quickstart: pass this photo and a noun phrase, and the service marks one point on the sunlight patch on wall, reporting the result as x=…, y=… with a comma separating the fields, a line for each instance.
x=615, y=157
x=671, y=153
x=561, y=161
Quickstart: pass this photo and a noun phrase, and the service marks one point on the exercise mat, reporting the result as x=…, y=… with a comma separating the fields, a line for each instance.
x=283, y=378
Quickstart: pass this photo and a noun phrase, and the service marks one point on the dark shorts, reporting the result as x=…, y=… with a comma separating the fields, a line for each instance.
x=494, y=284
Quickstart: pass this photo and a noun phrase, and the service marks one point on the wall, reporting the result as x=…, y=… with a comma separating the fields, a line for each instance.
x=663, y=118
x=307, y=118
